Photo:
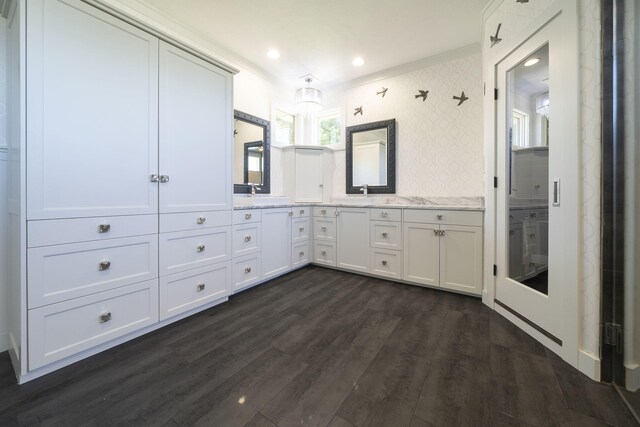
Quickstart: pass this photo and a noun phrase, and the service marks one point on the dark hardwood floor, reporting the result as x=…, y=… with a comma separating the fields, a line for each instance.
x=320, y=347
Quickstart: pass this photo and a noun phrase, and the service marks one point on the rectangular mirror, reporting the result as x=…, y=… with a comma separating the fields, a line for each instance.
x=251, y=154
x=370, y=158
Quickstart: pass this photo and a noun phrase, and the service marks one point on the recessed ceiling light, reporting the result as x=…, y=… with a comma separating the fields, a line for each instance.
x=273, y=54
x=532, y=61
x=358, y=61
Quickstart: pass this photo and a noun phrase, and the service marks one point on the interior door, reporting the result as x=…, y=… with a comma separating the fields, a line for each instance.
x=531, y=164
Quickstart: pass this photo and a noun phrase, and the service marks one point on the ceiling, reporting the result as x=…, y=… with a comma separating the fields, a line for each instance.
x=322, y=37
x=533, y=80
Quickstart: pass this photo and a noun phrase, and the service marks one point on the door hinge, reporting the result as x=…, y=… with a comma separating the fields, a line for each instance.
x=495, y=94
x=613, y=335
x=495, y=182
x=495, y=270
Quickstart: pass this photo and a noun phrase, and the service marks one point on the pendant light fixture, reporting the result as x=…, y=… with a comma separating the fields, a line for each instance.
x=542, y=104
x=308, y=99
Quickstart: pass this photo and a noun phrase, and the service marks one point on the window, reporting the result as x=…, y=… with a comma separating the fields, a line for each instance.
x=330, y=128
x=284, y=129
x=520, y=129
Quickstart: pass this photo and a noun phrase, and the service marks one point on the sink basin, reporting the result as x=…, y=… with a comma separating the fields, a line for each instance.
x=251, y=200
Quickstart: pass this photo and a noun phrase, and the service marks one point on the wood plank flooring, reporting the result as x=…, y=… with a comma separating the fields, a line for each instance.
x=320, y=347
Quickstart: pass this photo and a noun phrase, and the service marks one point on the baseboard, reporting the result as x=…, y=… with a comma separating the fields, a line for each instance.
x=4, y=342
x=589, y=365
x=632, y=377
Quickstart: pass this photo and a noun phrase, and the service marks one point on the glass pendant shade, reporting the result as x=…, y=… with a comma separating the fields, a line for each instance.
x=308, y=99
x=542, y=104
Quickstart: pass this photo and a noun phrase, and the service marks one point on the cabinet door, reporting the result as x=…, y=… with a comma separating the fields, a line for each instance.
x=308, y=175
x=353, y=238
x=276, y=242
x=421, y=253
x=461, y=258
x=195, y=133
x=92, y=109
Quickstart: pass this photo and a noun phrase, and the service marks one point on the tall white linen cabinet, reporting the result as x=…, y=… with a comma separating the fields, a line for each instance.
x=120, y=182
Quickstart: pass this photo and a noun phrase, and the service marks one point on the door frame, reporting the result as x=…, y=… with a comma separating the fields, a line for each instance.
x=566, y=11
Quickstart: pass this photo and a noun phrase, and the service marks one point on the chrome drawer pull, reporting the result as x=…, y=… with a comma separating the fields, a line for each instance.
x=301, y=229
x=201, y=220
x=164, y=178
x=104, y=265
x=200, y=287
x=439, y=216
x=301, y=254
x=247, y=216
x=247, y=270
x=384, y=263
x=104, y=318
x=324, y=253
x=384, y=214
x=154, y=178
x=200, y=248
x=301, y=211
x=247, y=238
x=104, y=228
x=324, y=229
x=384, y=235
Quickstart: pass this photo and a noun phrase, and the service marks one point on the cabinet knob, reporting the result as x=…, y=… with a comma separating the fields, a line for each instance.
x=290, y=213
x=301, y=254
x=323, y=212
x=511, y=232
x=321, y=186
x=154, y=177
x=384, y=235
x=531, y=236
x=439, y=216
x=384, y=214
x=324, y=253
x=104, y=265
x=200, y=287
x=201, y=220
x=104, y=318
x=324, y=229
x=247, y=216
x=301, y=211
x=384, y=263
x=247, y=270
x=200, y=248
x=436, y=232
x=164, y=178
x=337, y=213
x=104, y=228
x=247, y=238
x=301, y=229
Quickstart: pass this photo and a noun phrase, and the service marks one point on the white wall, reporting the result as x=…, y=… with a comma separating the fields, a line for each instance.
x=4, y=328
x=439, y=145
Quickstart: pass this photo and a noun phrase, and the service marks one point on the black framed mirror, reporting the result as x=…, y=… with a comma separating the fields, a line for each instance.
x=251, y=154
x=371, y=158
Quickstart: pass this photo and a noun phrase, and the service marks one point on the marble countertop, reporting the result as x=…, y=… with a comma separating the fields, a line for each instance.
x=455, y=203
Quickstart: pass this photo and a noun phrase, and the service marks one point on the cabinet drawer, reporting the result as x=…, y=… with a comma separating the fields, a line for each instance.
x=386, y=263
x=61, y=272
x=300, y=254
x=63, y=329
x=300, y=229
x=386, y=214
x=324, y=211
x=246, y=271
x=386, y=235
x=191, y=289
x=61, y=231
x=324, y=253
x=245, y=216
x=185, y=250
x=246, y=239
x=300, y=211
x=324, y=229
x=194, y=220
x=433, y=216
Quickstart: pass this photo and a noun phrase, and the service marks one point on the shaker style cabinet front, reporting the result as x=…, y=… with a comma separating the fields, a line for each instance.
x=353, y=238
x=276, y=241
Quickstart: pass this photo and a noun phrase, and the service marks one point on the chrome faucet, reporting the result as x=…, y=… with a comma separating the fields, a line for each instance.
x=365, y=189
x=254, y=188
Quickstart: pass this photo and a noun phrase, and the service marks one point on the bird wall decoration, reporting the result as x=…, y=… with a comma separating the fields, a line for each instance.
x=495, y=39
x=423, y=94
x=461, y=98
x=383, y=92
x=522, y=1
x=358, y=110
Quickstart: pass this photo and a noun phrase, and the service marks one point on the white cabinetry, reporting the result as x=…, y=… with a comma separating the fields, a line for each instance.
x=353, y=238
x=122, y=179
x=386, y=242
x=276, y=241
x=309, y=173
x=443, y=248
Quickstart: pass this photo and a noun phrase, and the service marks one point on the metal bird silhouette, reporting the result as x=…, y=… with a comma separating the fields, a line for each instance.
x=423, y=94
x=461, y=98
x=383, y=92
x=495, y=39
x=358, y=110
x=522, y=1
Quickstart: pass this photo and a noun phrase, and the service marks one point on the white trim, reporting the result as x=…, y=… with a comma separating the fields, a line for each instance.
x=589, y=365
x=632, y=377
x=530, y=330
